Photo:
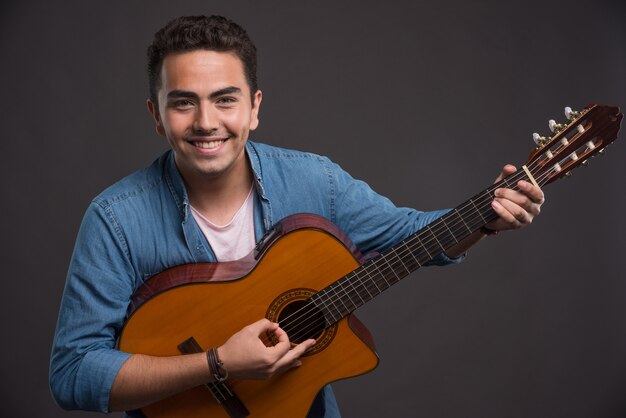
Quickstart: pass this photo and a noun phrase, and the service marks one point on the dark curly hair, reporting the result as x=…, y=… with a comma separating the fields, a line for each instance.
x=188, y=33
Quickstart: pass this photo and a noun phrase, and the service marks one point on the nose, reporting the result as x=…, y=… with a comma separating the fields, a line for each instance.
x=206, y=119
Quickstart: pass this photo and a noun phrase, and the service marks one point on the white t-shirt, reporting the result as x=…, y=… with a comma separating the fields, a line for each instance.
x=234, y=240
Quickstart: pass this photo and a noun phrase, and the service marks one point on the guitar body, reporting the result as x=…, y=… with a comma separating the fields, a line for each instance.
x=202, y=301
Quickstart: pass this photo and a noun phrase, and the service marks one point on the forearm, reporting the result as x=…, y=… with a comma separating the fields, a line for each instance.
x=143, y=380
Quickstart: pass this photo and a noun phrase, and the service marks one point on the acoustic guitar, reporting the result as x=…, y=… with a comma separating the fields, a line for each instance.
x=306, y=275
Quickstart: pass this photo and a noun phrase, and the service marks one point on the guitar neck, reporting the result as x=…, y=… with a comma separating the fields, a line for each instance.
x=380, y=273
x=586, y=134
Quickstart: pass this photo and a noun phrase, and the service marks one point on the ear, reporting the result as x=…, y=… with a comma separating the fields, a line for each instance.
x=254, y=119
x=154, y=111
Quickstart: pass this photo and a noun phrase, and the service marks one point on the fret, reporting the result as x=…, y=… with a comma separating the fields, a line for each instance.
x=375, y=264
x=385, y=258
x=346, y=300
x=478, y=211
x=471, y=216
x=408, y=259
x=364, y=268
x=424, y=247
x=414, y=258
x=363, y=284
x=443, y=221
x=429, y=241
x=359, y=282
x=425, y=255
x=345, y=295
x=354, y=288
x=456, y=212
x=331, y=299
x=435, y=237
x=395, y=252
x=372, y=280
x=331, y=317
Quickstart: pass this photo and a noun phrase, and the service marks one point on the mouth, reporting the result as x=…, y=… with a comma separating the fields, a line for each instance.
x=208, y=143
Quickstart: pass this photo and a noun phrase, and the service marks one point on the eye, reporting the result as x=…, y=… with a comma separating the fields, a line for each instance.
x=226, y=100
x=183, y=104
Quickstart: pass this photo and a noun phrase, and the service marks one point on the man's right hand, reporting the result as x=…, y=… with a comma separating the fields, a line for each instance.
x=246, y=356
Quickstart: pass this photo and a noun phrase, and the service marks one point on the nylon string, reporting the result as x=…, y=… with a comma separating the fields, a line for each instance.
x=366, y=280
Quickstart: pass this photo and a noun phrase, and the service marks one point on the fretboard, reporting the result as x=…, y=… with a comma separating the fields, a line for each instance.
x=379, y=274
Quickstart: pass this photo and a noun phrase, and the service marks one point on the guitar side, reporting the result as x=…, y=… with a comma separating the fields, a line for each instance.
x=307, y=257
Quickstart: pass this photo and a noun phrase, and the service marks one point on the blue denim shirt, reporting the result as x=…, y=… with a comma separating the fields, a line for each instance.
x=142, y=225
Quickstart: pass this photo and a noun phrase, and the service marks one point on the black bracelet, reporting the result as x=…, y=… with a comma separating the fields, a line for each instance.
x=216, y=366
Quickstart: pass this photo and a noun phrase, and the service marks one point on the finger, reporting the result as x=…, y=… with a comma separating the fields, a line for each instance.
x=512, y=214
x=302, y=348
x=518, y=198
x=283, y=345
x=262, y=325
x=292, y=358
x=506, y=170
x=533, y=192
x=530, y=199
x=282, y=336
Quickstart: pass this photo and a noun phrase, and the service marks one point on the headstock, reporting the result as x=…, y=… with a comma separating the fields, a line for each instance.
x=585, y=135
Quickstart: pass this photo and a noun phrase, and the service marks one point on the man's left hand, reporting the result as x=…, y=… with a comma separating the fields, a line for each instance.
x=515, y=208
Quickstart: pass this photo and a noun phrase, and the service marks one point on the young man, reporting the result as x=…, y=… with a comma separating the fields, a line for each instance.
x=210, y=199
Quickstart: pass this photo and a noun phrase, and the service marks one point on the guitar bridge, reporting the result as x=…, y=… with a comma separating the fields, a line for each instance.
x=221, y=391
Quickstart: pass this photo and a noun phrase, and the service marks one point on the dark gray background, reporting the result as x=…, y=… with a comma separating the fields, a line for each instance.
x=425, y=100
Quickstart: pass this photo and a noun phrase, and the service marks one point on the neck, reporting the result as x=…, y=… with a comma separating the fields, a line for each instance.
x=218, y=197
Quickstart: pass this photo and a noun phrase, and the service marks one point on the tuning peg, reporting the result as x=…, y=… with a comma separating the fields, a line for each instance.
x=602, y=151
x=568, y=174
x=585, y=163
x=540, y=140
x=555, y=127
x=571, y=114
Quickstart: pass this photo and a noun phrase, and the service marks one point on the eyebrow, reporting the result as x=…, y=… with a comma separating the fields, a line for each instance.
x=225, y=90
x=177, y=94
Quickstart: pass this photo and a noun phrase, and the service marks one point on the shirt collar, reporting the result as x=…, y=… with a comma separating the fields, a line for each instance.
x=255, y=163
x=177, y=186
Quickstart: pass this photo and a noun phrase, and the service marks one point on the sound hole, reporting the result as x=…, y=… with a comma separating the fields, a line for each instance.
x=301, y=320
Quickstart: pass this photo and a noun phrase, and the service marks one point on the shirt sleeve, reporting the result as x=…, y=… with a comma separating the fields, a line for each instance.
x=372, y=221
x=99, y=284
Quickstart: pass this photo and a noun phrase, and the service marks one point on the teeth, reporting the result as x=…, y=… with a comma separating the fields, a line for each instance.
x=208, y=145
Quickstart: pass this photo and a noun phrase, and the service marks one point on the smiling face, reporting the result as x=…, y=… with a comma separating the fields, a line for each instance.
x=205, y=112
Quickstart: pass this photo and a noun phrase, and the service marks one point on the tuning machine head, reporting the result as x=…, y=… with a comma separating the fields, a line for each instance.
x=571, y=114
x=555, y=127
x=540, y=140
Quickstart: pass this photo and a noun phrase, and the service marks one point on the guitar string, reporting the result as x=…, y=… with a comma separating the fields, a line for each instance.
x=312, y=321
x=393, y=267
x=360, y=283
x=540, y=179
x=297, y=316
x=315, y=324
